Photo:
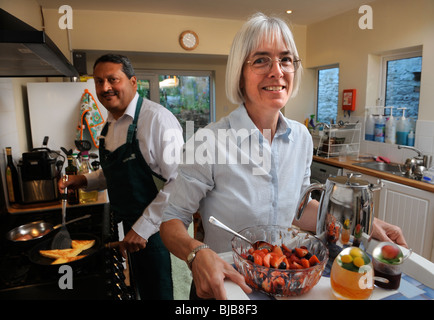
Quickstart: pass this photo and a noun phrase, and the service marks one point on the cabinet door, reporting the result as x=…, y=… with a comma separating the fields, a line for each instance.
x=412, y=210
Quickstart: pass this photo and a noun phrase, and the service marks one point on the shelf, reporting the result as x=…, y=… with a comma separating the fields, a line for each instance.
x=336, y=140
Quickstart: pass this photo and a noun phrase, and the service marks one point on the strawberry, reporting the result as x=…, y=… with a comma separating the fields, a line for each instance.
x=294, y=258
x=313, y=260
x=295, y=265
x=276, y=260
x=301, y=252
x=266, y=260
x=257, y=258
x=277, y=250
x=305, y=263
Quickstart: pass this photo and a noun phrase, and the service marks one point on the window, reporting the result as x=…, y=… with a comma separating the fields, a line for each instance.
x=400, y=87
x=327, y=93
x=188, y=95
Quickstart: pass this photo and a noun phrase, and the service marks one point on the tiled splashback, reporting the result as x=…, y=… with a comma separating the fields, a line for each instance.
x=424, y=143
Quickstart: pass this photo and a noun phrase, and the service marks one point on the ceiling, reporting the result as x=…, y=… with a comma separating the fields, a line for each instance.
x=305, y=12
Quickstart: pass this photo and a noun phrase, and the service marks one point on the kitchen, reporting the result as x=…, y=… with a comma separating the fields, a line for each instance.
x=355, y=50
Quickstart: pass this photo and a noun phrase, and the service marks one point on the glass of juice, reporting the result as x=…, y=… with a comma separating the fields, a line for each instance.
x=388, y=260
x=352, y=276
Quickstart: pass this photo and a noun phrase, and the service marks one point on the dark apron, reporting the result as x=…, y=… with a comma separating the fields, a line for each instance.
x=132, y=186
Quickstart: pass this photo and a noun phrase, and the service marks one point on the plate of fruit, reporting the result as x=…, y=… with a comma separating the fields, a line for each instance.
x=282, y=262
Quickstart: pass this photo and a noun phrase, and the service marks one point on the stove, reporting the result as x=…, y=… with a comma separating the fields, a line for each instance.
x=99, y=277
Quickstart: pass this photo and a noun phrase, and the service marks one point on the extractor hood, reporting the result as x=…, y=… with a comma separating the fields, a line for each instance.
x=27, y=52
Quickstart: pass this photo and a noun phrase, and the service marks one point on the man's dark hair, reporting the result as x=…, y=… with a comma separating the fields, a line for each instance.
x=127, y=67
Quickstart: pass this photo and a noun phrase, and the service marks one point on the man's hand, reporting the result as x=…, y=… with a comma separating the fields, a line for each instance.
x=132, y=242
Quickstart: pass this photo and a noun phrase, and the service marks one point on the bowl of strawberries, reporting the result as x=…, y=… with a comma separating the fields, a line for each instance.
x=282, y=261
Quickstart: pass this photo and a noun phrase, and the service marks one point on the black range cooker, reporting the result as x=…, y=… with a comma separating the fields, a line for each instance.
x=98, y=277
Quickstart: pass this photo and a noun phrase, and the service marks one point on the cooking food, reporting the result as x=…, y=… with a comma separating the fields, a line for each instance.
x=67, y=255
x=292, y=267
x=31, y=235
x=82, y=244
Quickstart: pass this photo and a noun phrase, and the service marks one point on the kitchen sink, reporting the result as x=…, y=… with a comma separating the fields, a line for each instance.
x=382, y=166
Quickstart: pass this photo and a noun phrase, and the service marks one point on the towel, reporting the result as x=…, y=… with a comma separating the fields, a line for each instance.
x=90, y=118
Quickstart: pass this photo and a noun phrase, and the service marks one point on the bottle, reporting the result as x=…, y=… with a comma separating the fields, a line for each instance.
x=70, y=170
x=12, y=182
x=390, y=133
x=410, y=139
x=369, y=128
x=402, y=129
x=86, y=196
x=379, y=128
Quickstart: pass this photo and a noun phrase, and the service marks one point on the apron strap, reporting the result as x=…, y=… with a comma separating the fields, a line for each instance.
x=132, y=129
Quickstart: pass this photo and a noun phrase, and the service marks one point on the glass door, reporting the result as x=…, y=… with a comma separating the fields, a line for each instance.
x=187, y=94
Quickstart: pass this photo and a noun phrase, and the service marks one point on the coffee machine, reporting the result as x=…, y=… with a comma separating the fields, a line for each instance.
x=37, y=172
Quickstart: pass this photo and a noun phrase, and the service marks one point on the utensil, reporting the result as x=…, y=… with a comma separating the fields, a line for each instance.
x=62, y=240
x=345, y=211
x=36, y=230
x=219, y=224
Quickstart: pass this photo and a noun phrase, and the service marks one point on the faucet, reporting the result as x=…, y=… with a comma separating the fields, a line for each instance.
x=419, y=154
x=421, y=159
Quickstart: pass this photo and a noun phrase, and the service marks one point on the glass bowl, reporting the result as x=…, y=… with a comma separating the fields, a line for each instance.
x=273, y=281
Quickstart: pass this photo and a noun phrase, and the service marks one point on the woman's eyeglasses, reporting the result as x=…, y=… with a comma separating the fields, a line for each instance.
x=263, y=64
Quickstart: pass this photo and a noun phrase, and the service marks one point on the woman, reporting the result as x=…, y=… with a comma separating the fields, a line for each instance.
x=253, y=164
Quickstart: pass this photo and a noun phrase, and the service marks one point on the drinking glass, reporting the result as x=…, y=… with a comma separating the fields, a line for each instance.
x=352, y=276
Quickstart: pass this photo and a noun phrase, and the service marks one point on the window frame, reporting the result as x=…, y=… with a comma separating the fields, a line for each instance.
x=383, y=70
x=317, y=71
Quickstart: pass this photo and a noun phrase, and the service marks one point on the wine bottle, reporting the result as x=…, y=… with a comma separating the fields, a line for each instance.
x=70, y=170
x=12, y=178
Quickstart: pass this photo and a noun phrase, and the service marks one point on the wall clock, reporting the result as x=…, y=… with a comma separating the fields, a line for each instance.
x=188, y=40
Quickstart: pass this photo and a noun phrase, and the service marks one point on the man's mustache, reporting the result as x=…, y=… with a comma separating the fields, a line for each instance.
x=109, y=93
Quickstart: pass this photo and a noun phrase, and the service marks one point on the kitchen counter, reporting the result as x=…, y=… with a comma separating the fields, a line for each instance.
x=348, y=164
x=54, y=205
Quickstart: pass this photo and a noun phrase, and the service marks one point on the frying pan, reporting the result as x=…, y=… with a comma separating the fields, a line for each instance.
x=37, y=258
x=35, y=230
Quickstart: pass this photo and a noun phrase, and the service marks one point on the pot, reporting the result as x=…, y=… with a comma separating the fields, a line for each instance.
x=35, y=230
x=345, y=212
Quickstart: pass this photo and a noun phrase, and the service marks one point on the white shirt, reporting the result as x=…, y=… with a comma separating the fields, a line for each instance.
x=231, y=192
x=154, y=120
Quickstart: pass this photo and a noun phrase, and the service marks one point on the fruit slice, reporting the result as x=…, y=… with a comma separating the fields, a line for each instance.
x=301, y=252
x=389, y=252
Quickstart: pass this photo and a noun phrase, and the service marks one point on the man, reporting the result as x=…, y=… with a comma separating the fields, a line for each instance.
x=134, y=171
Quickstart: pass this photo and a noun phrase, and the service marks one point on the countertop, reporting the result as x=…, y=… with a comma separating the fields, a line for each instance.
x=417, y=282
x=348, y=164
x=54, y=205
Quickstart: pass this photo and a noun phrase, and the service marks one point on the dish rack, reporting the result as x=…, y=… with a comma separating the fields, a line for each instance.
x=339, y=139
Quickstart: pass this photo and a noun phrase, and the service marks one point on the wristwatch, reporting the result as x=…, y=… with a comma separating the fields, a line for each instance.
x=192, y=254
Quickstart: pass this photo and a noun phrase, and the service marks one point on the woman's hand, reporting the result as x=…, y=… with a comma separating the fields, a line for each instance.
x=209, y=272
x=384, y=231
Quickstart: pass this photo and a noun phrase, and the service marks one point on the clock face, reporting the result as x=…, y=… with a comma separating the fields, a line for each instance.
x=188, y=40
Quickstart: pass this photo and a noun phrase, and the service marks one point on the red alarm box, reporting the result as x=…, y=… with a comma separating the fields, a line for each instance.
x=349, y=100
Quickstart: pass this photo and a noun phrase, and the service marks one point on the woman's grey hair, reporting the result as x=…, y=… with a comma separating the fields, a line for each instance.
x=248, y=39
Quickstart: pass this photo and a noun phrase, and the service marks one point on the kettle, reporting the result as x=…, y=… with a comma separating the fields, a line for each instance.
x=345, y=212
